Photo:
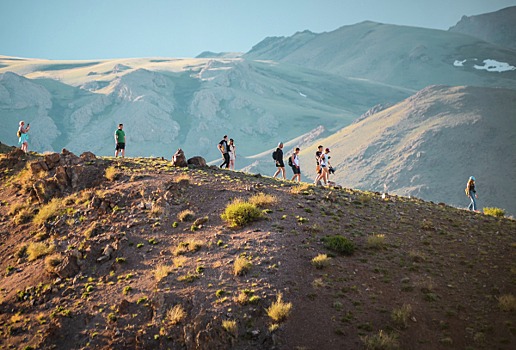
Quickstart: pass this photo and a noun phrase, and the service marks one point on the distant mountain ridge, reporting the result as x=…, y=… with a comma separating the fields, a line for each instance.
x=495, y=27
x=397, y=55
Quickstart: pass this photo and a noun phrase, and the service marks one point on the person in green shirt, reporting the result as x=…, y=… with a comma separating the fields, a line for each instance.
x=120, y=141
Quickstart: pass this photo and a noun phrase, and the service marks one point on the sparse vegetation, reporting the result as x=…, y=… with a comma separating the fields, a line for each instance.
x=231, y=327
x=111, y=173
x=239, y=213
x=339, y=244
x=162, y=271
x=189, y=246
x=376, y=241
x=401, y=315
x=381, y=341
x=241, y=266
x=321, y=261
x=48, y=211
x=263, y=200
x=507, y=302
x=176, y=314
x=185, y=215
x=496, y=212
x=279, y=310
x=36, y=250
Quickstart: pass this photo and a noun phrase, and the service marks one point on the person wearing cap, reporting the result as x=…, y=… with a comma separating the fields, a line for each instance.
x=279, y=161
x=324, y=163
x=23, y=137
x=471, y=193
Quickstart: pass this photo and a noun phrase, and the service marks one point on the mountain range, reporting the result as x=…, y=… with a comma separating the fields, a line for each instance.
x=303, y=90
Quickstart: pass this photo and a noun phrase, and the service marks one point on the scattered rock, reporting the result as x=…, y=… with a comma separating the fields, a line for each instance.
x=68, y=267
x=179, y=159
x=197, y=161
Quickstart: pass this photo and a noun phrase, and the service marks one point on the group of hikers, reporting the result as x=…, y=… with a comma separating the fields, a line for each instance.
x=228, y=151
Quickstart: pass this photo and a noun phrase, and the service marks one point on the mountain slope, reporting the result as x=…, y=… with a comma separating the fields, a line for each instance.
x=166, y=104
x=495, y=27
x=397, y=55
x=428, y=145
x=107, y=261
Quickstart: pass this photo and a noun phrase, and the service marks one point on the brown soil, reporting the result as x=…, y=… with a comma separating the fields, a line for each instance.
x=451, y=266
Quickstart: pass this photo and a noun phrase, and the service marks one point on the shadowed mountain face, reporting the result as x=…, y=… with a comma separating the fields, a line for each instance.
x=403, y=56
x=429, y=144
x=495, y=27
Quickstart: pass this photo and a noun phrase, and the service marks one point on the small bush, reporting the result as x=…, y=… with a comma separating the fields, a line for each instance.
x=339, y=244
x=38, y=249
x=263, y=200
x=157, y=210
x=23, y=216
x=321, y=261
x=191, y=245
x=304, y=189
x=279, y=310
x=239, y=213
x=496, y=212
x=176, y=314
x=111, y=173
x=50, y=210
x=52, y=261
x=507, y=302
x=185, y=215
x=231, y=327
x=381, y=341
x=241, y=266
x=401, y=315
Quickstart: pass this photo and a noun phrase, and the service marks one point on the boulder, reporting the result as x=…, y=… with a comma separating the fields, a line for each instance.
x=88, y=157
x=68, y=267
x=197, y=161
x=52, y=160
x=179, y=159
x=38, y=166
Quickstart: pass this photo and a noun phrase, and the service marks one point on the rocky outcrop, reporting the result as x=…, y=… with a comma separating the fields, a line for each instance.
x=179, y=159
x=197, y=161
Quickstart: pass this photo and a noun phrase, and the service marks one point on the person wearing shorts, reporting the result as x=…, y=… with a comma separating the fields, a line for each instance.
x=295, y=165
x=120, y=141
x=279, y=161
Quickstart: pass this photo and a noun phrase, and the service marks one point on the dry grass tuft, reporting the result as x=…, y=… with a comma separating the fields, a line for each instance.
x=302, y=189
x=381, y=341
x=321, y=261
x=507, y=302
x=52, y=261
x=401, y=315
x=53, y=208
x=376, y=241
x=111, y=173
x=36, y=250
x=185, y=215
x=279, y=310
x=263, y=200
x=241, y=266
x=190, y=246
x=231, y=327
x=176, y=314
x=162, y=271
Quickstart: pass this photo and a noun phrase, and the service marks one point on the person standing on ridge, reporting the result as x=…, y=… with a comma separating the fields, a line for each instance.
x=471, y=193
x=120, y=141
x=232, y=154
x=224, y=150
x=279, y=161
x=23, y=137
x=324, y=162
x=295, y=165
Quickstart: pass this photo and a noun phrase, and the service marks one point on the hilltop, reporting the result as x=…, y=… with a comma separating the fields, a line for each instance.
x=124, y=242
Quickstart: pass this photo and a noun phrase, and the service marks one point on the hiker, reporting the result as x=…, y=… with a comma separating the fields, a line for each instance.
x=224, y=150
x=120, y=141
x=23, y=137
x=294, y=164
x=232, y=154
x=471, y=193
x=324, y=163
x=317, y=165
x=278, y=158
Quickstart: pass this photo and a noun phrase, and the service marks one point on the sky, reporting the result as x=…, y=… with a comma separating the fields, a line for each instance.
x=105, y=29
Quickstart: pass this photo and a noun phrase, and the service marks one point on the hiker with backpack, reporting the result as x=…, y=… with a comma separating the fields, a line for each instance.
x=23, y=137
x=293, y=162
x=317, y=165
x=224, y=150
x=277, y=155
x=232, y=154
x=471, y=193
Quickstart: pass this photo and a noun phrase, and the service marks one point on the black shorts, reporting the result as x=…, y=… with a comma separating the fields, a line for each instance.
x=120, y=146
x=280, y=164
x=296, y=170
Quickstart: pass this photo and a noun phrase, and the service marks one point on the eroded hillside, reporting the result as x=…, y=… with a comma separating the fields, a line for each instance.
x=134, y=254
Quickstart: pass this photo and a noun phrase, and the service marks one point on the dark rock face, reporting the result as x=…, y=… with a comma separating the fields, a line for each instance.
x=197, y=161
x=68, y=267
x=179, y=159
x=495, y=27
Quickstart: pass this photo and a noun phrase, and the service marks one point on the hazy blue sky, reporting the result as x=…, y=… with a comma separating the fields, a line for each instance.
x=93, y=29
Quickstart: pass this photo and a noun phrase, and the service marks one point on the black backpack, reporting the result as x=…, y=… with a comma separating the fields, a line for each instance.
x=275, y=154
x=290, y=161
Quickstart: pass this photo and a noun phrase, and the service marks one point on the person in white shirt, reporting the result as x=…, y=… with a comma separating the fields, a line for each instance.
x=295, y=165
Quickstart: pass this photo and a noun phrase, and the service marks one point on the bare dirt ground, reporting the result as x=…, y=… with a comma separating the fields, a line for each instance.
x=421, y=276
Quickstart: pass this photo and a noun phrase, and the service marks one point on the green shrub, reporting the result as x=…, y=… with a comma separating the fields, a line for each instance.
x=339, y=244
x=240, y=213
x=496, y=212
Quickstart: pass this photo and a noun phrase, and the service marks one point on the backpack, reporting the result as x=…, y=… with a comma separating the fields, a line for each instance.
x=18, y=133
x=290, y=161
x=274, y=154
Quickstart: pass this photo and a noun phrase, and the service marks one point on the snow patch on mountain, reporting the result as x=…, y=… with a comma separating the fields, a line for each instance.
x=490, y=65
